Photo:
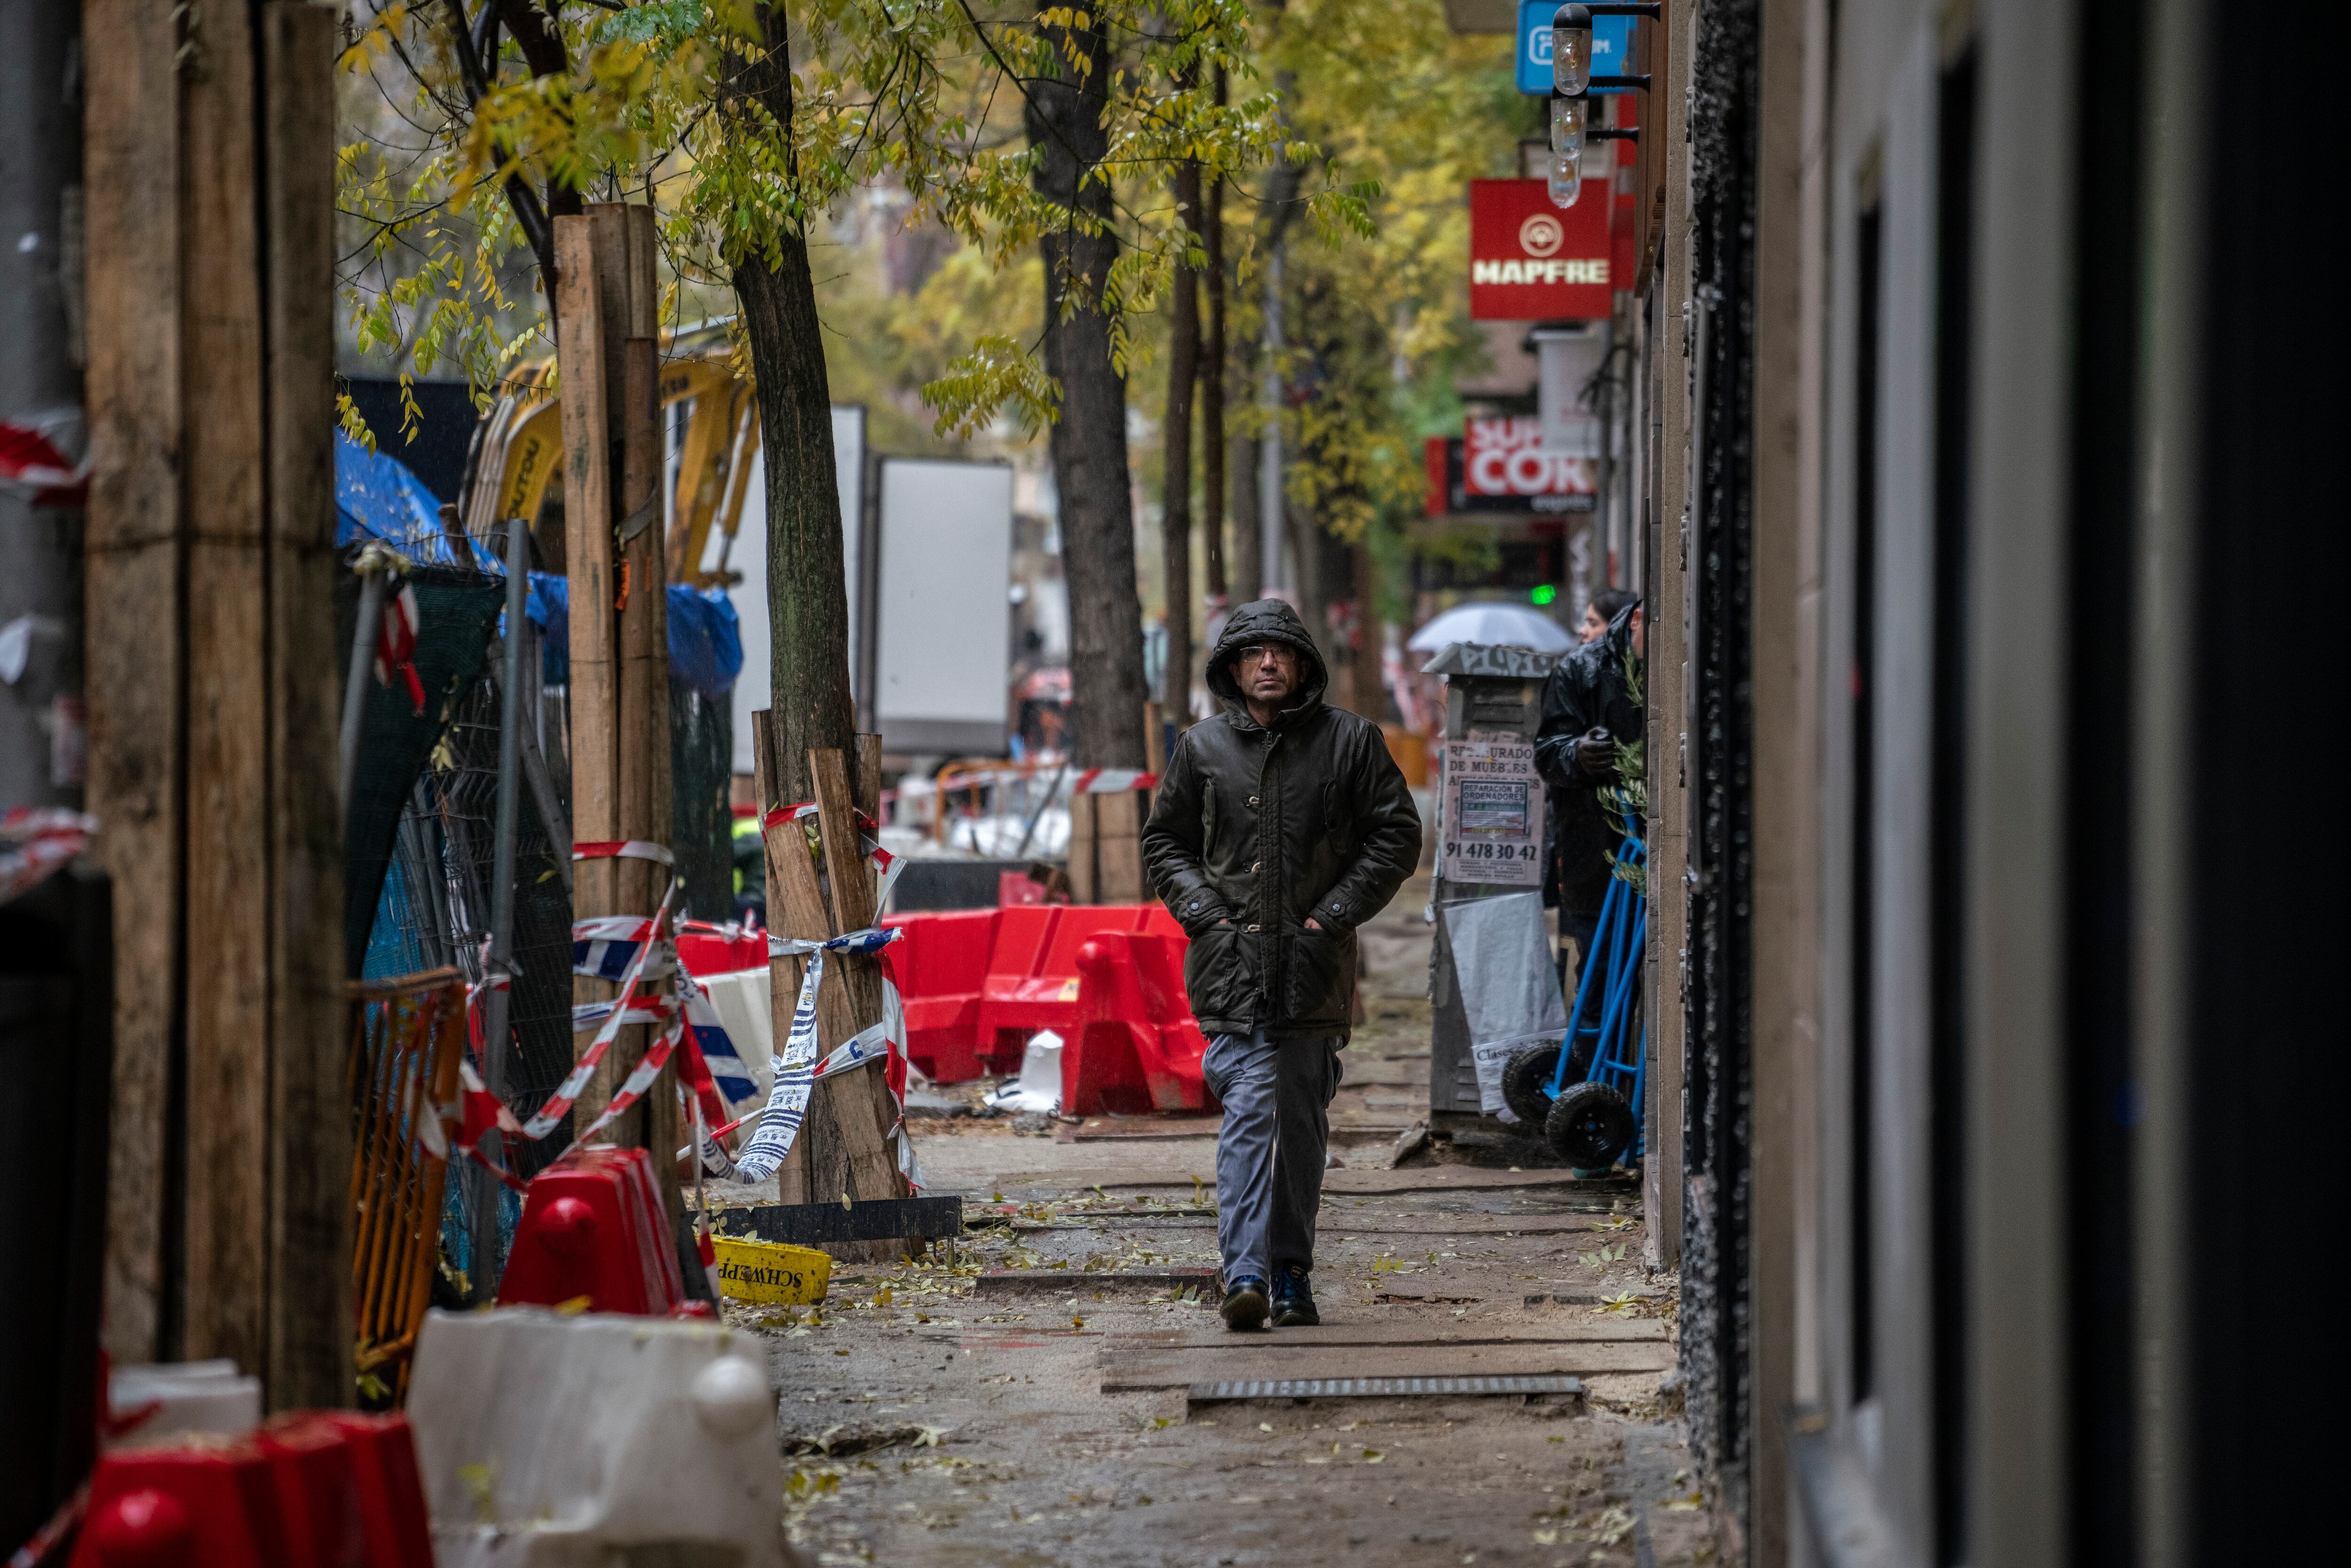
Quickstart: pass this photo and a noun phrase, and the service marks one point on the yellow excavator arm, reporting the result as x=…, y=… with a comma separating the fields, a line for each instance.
x=522, y=450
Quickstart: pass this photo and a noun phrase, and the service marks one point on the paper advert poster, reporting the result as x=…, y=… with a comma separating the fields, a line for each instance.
x=1493, y=813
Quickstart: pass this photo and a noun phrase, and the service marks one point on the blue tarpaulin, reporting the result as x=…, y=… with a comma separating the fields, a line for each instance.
x=705, y=643
x=376, y=497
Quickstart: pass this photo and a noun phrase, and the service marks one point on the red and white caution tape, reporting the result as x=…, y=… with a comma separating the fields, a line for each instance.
x=551, y=1114
x=797, y=1068
x=586, y=1016
x=778, y=816
x=886, y=865
x=623, y=849
x=396, y=646
x=634, y=1087
x=604, y=946
x=1112, y=781
x=796, y=1065
x=34, y=841
x=42, y=458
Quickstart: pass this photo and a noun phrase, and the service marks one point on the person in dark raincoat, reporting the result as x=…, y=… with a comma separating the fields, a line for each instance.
x=1588, y=709
x=1281, y=825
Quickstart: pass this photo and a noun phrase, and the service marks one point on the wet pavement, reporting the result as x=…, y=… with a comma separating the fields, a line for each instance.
x=945, y=1413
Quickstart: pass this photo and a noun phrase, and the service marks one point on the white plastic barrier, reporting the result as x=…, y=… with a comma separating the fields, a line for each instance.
x=741, y=999
x=565, y=1442
x=187, y=1397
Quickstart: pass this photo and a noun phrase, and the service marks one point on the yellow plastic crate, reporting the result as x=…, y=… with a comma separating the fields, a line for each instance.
x=771, y=1274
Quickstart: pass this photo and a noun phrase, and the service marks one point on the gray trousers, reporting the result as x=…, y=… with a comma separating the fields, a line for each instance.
x=1269, y=1156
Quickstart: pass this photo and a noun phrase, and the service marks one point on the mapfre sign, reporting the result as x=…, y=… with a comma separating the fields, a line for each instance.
x=1530, y=261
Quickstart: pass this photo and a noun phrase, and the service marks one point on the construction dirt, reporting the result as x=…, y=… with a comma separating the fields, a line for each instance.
x=1049, y=1396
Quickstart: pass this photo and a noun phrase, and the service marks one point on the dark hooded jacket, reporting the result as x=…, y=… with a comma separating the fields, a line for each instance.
x=1256, y=828
x=1586, y=688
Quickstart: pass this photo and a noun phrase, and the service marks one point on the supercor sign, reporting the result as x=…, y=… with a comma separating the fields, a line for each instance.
x=1530, y=261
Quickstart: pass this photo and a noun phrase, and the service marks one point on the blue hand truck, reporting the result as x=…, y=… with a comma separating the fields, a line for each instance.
x=1584, y=1094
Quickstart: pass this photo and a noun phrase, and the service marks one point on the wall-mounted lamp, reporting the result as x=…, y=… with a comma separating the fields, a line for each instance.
x=1571, y=50
x=1572, y=78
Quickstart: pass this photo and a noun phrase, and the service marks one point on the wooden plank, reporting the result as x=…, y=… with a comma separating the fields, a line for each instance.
x=823, y=1224
x=135, y=642
x=865, y=785
x=1081, y=850
x=589, y=570
x=644, y=275
x=1077, y=1282
x=1143, y=1371
x=1118, y=850
x=310, y=1362
x=644, y=691
x=224, y=978
x=865, y=1114
x=783, y=974
x=641, y=722
x=1404, y=1336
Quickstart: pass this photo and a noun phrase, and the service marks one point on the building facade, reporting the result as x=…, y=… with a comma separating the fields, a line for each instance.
x=1984, y=550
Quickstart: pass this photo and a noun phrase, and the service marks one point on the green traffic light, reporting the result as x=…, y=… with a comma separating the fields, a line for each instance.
x=1544, y=594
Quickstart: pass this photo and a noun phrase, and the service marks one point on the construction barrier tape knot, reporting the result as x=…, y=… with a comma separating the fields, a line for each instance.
x=797, y=1068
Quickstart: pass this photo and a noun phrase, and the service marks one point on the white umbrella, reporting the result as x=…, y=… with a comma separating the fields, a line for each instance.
x=1495, y=625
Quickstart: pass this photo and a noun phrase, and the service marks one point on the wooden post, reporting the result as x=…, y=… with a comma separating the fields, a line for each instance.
x=137, y=650
x=310, y=1345
x=213, y=691
x=790, y=907
x=589, y=571
x=1083, y=882
x=842, y=1150
x=645, y=782
x=606, y=304
x=1118, y=849
x=862, y=1101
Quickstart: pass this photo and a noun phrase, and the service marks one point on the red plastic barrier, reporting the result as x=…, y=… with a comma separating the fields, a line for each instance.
x=703, y=950
x=978, y=983
x=314, y=1490
x=940, y=967
x=1137, y=1046
x=592, y=1226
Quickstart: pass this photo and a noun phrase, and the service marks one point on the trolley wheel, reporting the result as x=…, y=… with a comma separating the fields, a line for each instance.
x=1589, y=1126
x=1526, y=1084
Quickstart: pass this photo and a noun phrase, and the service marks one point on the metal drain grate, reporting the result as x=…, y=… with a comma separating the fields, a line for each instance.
x=1375, y=1387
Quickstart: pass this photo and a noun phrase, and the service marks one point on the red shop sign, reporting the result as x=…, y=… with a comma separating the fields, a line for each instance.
x=1530, y=261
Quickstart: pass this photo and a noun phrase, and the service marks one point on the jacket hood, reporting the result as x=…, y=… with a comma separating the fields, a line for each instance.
x=1266, y=621
x=1619, y=637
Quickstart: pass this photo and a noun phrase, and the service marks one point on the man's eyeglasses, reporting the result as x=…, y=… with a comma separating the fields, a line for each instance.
x=1267, y=653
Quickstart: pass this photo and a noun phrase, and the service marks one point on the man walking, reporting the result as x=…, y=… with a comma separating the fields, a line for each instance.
x=1281, y=825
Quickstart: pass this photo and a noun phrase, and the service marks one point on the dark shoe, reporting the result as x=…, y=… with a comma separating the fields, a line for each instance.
x=1293, y=1300
x=1245, y=1304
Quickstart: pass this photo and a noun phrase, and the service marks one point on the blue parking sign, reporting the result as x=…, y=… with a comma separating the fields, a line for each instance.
x=1612, y=46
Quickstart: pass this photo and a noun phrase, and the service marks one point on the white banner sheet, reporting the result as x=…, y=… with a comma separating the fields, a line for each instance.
x=1509, y=990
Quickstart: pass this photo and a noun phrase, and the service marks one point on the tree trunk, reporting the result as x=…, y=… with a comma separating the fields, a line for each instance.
x=1175, y=521
x=1245, y=567
x=1089, y=444
x=1211, y=378
x=1279, y=201
x=808, y=595
x=1371, y=639
x=808, y=592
